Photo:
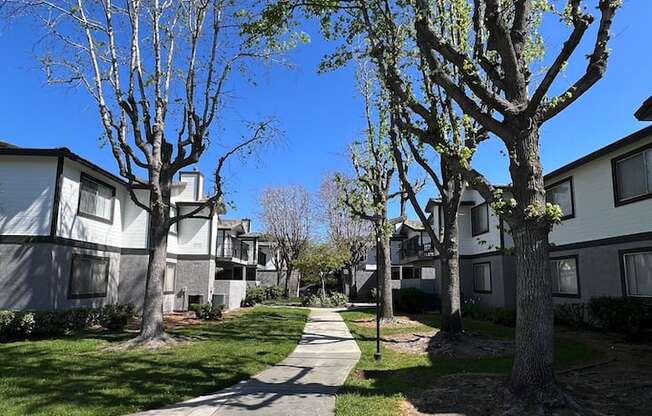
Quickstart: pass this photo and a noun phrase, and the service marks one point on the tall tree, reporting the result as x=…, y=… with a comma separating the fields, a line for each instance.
x=344, y=230
x=368, y=192
x=503, y=83
x=158, y=72
x=288, y=218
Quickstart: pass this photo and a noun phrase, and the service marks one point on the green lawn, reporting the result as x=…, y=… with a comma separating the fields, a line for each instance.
x=400, y=373
x=69, y=376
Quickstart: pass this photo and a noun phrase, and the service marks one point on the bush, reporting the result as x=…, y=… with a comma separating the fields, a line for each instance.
x=323, y=300
x=207, y=311
x=256, y=295
x=116, y=317
x=500, y=316
x=575, y=315
x=631, y=316
x=409, y=300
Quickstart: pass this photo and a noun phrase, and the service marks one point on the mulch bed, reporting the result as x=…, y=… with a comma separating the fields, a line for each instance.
x=619, y=384
x=436, y=343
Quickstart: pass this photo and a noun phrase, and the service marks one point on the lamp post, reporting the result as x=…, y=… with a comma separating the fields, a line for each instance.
x=377, y=355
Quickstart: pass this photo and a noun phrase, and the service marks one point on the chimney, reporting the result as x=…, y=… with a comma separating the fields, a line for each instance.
x=246, y=223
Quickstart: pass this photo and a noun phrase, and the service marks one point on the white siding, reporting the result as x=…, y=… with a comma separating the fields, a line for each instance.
x=135, y=220
x=596, y=217
x=187, y=192
x=193, y=234
x=26, y=194
x=489, y=241
x=76, y=227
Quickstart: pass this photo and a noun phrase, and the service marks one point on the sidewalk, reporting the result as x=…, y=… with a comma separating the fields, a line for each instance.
x=304, y=383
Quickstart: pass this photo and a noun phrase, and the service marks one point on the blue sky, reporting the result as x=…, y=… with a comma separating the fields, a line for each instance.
x=321, y=114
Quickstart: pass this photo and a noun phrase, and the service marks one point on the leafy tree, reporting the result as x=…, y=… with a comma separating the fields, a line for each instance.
x=288, y=218
x=158, y=72
x=487, y=57
x=350, y=234
x=320, y=260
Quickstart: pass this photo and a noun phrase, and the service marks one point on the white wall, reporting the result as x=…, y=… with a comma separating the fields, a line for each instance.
x=489, y=241
x=76, y=227
x=27, y=186
x=596, y=217
x=192, y=234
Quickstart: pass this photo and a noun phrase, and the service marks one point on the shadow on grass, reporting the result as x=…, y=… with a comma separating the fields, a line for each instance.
x=70, y=376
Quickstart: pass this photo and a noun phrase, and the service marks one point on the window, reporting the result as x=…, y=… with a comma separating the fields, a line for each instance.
x=638, y=273
x=563, y=272
x=262, y=258
x=633, y=177
x=95, y=199
x=482, y=277
x=89, y=277
x=561, y=194
x=396, y=273
x=170, y=273
x=480, y=219
x=251, y=274
x=174, y=227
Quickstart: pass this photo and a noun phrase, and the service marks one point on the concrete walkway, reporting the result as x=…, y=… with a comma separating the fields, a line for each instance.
x=304, y=383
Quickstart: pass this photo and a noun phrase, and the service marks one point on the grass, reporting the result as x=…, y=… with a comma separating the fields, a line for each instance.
x=69, y=376
x=401, y=373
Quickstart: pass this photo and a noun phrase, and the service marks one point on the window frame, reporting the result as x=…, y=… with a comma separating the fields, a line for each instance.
x=491, y=283
x=614, y=176
x=174, y=278
x=475, y=232
x=572, y=195
x=72, y=273
x=623, y=269
x=80, y=213
x=577, y=276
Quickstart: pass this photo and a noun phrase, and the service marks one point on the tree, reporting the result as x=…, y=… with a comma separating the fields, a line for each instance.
x=320, y=260
x=352, y=235
x=368, y=192
x=288, y=218
x=504, y=84
x=158, y=72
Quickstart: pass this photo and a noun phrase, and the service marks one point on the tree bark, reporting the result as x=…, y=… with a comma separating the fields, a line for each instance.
x=152, y=324
x=534, y=342
x=451, y=312
x=384, y=273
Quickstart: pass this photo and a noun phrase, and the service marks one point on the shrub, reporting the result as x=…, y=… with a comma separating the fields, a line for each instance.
x=6, y=321
x=254, y=296
x=409, y=300
x=274, y=292
x=631, y=316
x=207, y=311
x=323, y=300
x=575, y=315
x=116, y=317
x=501, y=316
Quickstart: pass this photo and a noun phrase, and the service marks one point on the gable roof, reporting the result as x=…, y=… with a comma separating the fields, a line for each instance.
x=644, y=113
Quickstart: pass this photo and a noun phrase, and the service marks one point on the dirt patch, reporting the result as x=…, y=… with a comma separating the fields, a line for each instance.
x=436, y=343
x=397, y=322
x=619, y=383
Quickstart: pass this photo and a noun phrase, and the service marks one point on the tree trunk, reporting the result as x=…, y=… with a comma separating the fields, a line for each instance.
x=384, y=273
x=152, y=325
x=451, y=312
x=534, y=342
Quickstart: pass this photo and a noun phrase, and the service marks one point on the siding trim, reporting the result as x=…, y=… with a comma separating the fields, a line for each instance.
x=621, y=239
x=54, y=221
